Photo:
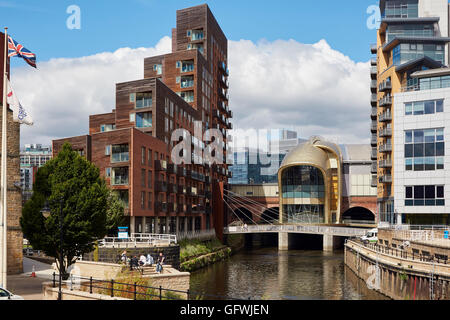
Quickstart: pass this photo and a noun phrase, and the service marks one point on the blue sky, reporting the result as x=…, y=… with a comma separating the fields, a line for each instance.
x=107, y=25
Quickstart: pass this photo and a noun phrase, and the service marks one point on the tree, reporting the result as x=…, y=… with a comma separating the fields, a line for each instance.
x=114, y=213
x=72, y=183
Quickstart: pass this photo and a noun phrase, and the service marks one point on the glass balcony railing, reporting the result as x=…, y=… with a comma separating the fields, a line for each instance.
x=187, y=67
x=187, y=83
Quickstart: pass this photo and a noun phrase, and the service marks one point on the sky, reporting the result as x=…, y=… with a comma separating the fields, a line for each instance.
x=293, y=63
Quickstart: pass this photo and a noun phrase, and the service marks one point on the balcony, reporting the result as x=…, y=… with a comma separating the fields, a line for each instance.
x=172, y=168
x=373, y=154
x=373, y=141
x=385, y=116
x=373, y=168
x=385, y=86
x=187, y=67
x=223, y=92
x=373, y=127
x=386, y=163
x=385, y=132
x=373, y=114
x=187, y=82
x=387, y=178
x=181, y=189
x=224, y=81
x=223, y=67
x=373, y=86
x=373, y=61
x=373, y=72
x=161, y=186
x=160, y=165
x=373, y=48
x=161, y=207
x=385, y=148
x=385, y=101
x=172, y=188
x=373, y=100
x=119, y=176
x=197, y=35
x=119, y=154
x=374, y=181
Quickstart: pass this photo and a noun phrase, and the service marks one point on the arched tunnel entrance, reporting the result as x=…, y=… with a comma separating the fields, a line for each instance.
x=358, y=214
x=270, y=215
x=244, y=215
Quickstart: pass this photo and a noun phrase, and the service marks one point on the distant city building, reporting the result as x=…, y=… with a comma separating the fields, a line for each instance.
x=410, y=102
x=249, y=168
x=32, y=156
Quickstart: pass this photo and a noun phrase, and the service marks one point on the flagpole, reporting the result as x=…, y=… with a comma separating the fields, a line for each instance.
x=4, y=179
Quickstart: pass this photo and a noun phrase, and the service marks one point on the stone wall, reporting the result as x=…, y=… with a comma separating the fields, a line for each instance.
x=110, y=255
x=398, y=278
x=14, y=199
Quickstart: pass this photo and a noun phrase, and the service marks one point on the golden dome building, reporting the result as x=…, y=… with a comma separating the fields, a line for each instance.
x=309, y=182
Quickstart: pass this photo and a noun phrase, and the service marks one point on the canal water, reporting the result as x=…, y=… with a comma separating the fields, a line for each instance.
x=266, y=273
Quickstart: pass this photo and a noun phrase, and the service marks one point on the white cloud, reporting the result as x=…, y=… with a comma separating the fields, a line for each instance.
x=62, y=93
x=280, y=84
x=284, y=84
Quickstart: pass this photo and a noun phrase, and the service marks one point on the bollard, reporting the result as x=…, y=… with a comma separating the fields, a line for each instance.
x=54, y=280
x=135, y=287
x=160, y=292
x=90, y=285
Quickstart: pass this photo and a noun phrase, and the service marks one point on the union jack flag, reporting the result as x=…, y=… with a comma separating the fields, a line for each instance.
x=16, y=49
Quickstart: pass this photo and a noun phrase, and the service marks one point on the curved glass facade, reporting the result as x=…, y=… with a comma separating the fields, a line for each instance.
x=303, y=194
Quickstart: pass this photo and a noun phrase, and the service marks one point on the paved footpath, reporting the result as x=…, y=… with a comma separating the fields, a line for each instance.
x=26, y=286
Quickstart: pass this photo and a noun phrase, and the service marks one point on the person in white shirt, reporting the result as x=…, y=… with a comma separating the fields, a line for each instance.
x=150, y=260
x=142, y=260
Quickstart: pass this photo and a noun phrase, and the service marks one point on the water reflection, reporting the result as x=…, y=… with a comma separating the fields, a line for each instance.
x=267, y=273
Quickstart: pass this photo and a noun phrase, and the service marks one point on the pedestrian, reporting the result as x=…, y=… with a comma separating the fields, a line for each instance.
x=160, y=262
x=123, y=257
x=245, y=227
x=142, y=260
x=134, y=263
x=149, y=260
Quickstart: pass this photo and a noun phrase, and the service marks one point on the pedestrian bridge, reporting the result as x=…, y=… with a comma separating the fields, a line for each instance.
x=329, y=232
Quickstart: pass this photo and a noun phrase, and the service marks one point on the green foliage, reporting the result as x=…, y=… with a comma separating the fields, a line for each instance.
x=193, y=248
x=72, y=184
x=114, y=214
x=204, y=260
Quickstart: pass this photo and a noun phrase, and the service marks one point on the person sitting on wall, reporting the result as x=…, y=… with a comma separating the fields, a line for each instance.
x=150, y=260
x=123, y=257
x=142, y=260
x=134, y=263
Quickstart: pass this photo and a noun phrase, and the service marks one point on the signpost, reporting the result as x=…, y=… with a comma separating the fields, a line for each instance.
x=123, y=233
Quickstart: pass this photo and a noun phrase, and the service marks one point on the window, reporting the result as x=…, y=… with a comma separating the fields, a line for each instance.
x=107, y=127
x=424, y=149
x=149, y=179
x=157, y=68
x=150, y=163
x=108, y=172
x=142, y=199
x=143, y=120
x=429, y=195
x=107, y=150
x=143, y=155
x=143, y=171
x=424, y=107
x=119, y=176
x=120, y=153
x=143, y=100
x=132, y=117
x=132, y=97
x=149, y=201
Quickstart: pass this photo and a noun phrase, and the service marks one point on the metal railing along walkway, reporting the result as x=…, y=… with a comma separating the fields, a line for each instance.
x=139, y=239
x=311, y=229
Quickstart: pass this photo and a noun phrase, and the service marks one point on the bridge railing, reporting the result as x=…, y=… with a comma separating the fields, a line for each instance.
x=139, y=239
x=314, y=229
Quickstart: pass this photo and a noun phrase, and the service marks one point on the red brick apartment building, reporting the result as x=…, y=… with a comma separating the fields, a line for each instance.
x=132, y=145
